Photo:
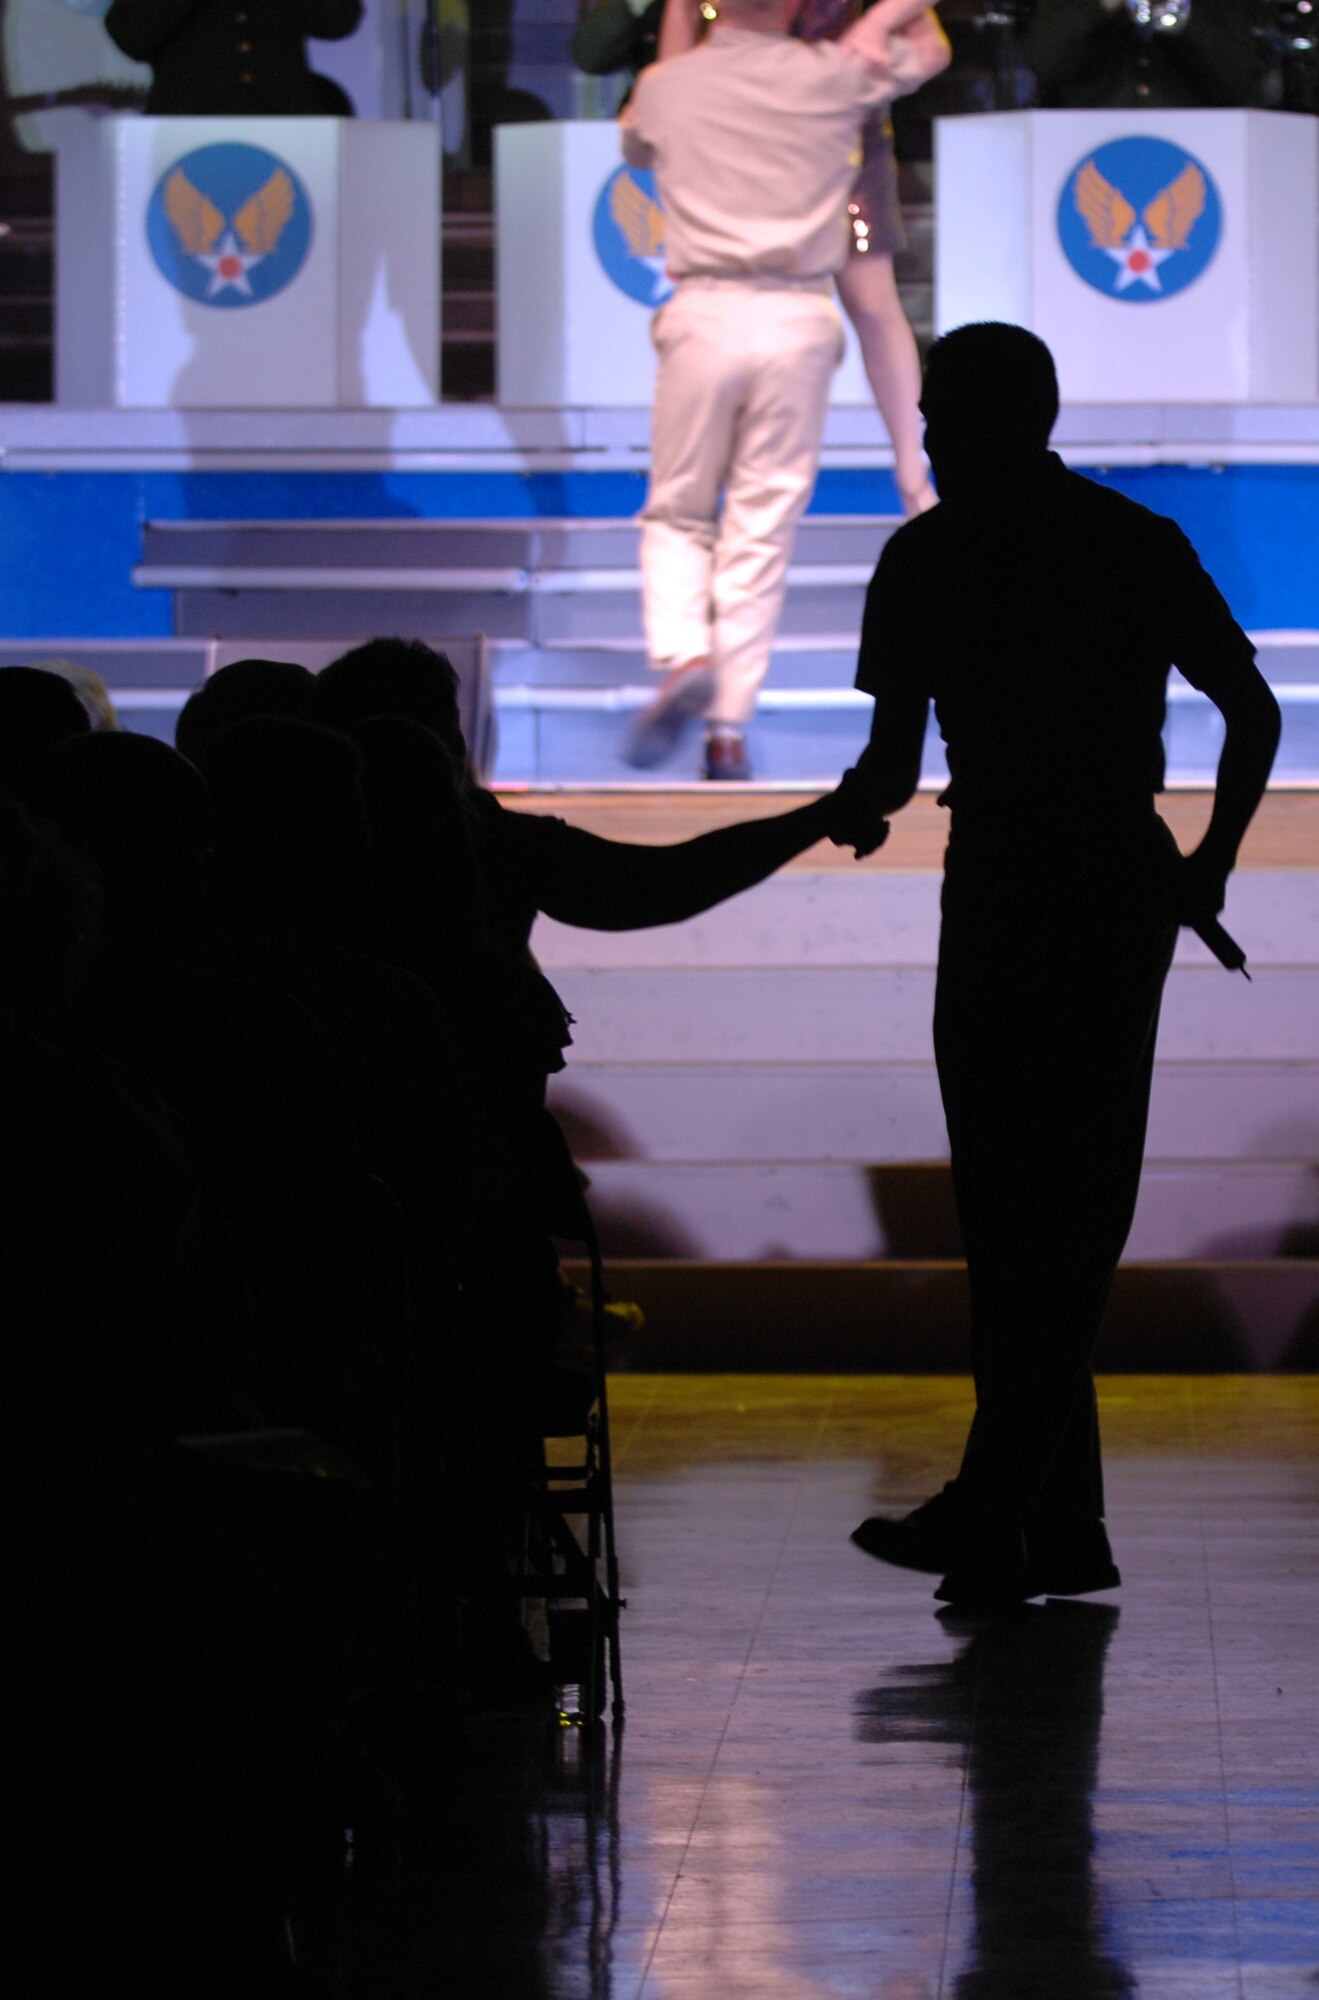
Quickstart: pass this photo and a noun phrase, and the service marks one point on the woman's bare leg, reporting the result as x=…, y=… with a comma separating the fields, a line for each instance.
x=869, y=292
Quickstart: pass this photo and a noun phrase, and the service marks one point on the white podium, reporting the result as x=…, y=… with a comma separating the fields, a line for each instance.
x=221, y=263
x=580, y=272
x=1165, y=256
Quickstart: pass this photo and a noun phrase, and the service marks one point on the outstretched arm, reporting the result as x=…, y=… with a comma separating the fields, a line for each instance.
x=615, y=885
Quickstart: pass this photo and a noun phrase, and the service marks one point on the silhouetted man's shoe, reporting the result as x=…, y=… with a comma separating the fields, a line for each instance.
x=988, y=1571
x=726, y=752
x=925, y=1539
x=1070, y=1562
x=683, y=696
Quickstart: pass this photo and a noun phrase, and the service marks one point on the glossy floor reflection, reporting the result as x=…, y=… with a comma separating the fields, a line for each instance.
x=825, y=1789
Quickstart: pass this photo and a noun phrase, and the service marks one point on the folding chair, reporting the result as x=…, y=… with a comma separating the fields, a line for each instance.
x=571, y=1560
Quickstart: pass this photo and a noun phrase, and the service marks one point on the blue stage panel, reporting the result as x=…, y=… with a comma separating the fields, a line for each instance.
x=70, y=538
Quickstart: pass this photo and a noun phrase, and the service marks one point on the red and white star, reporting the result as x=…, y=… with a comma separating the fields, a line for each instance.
x=1137, y=261
x=228, y=266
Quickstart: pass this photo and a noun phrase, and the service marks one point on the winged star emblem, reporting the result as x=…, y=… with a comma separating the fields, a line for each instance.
x=229, y=246
x=640, y=221
x=1138, y=248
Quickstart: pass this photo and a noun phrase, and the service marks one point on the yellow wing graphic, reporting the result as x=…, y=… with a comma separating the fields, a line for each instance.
x=262, y=218
x=1172, y=215
x=1107, y=214
x=640, y=219
x=197, y=221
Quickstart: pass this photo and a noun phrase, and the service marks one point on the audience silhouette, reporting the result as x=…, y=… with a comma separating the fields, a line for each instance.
x=275, y=1047
x=1041, y=612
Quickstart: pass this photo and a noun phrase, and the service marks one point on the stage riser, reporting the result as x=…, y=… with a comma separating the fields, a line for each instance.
x=543, y=744
x=881, y=1115
x=337, y=613
x=846, y=1014
x=404, y=543
x=815, y=660
x=812, y=1212
x=758, y=1084
x=913, y=1317
x=559, y=599
x=882, y=917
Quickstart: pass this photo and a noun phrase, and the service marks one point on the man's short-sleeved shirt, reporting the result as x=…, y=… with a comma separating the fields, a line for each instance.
x=1044, y=633
x=755, y=142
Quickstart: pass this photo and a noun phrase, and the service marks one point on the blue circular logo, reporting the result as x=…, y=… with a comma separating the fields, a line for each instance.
x=229, y=225
x=628, y=231
x=1139, y=220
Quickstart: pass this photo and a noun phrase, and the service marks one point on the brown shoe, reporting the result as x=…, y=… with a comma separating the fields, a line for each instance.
x=726, y=752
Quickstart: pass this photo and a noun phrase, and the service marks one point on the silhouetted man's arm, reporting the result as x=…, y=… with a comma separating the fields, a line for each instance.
x=1253, y=725
x=1213, y=653
x=889, y=669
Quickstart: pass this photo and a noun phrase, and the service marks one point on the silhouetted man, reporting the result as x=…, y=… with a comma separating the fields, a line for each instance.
x=1041, y=613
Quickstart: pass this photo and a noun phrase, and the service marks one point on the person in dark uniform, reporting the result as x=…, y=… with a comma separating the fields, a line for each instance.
x=1041, y=612
x=617, y=35
x=225, y=58
x=1096, y=54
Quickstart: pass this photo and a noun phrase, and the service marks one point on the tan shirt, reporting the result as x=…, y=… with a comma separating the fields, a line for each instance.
x=755, y=140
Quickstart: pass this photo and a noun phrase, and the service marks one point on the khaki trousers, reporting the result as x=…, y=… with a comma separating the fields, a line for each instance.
x=740, y=404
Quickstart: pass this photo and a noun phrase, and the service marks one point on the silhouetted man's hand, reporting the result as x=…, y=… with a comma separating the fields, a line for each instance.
x=858, y=822
x=1201, y=887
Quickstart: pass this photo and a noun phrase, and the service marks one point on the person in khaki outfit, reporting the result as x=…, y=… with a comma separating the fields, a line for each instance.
x=753, y=137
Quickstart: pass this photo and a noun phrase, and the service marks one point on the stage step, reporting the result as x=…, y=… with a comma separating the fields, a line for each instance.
x=753, y=1093
x=559, y=600
x=910, y=1316
x=876, y=1014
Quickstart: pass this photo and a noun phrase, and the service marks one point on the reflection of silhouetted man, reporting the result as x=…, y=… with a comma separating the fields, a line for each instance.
x=1041, y=612
x=227, y=58
x=1024, y=1699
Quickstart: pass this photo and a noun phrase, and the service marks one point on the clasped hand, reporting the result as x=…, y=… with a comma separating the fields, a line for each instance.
x=858, y=822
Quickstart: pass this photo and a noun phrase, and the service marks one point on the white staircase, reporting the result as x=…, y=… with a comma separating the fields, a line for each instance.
x=559, y=603
x=756, y=1088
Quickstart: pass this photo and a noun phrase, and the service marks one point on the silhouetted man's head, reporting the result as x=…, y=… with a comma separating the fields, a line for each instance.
x=990, y=400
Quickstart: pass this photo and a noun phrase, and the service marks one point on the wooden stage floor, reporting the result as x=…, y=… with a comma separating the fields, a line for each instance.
x=1284, y=834
x=825, y=1789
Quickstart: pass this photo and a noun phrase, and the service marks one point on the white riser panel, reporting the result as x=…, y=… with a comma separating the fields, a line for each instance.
x=802, y=1212
x=872, y=918
x=891, y=1113
x=842, y=1014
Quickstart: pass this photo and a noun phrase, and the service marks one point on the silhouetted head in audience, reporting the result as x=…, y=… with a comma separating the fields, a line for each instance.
x=89, y=687
x=49, y=925
x=292, y=830
x=423, y=890
x=395, y=677
x=236, y=693
x=143, y=813
x=990, y=400
x=37, y=711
